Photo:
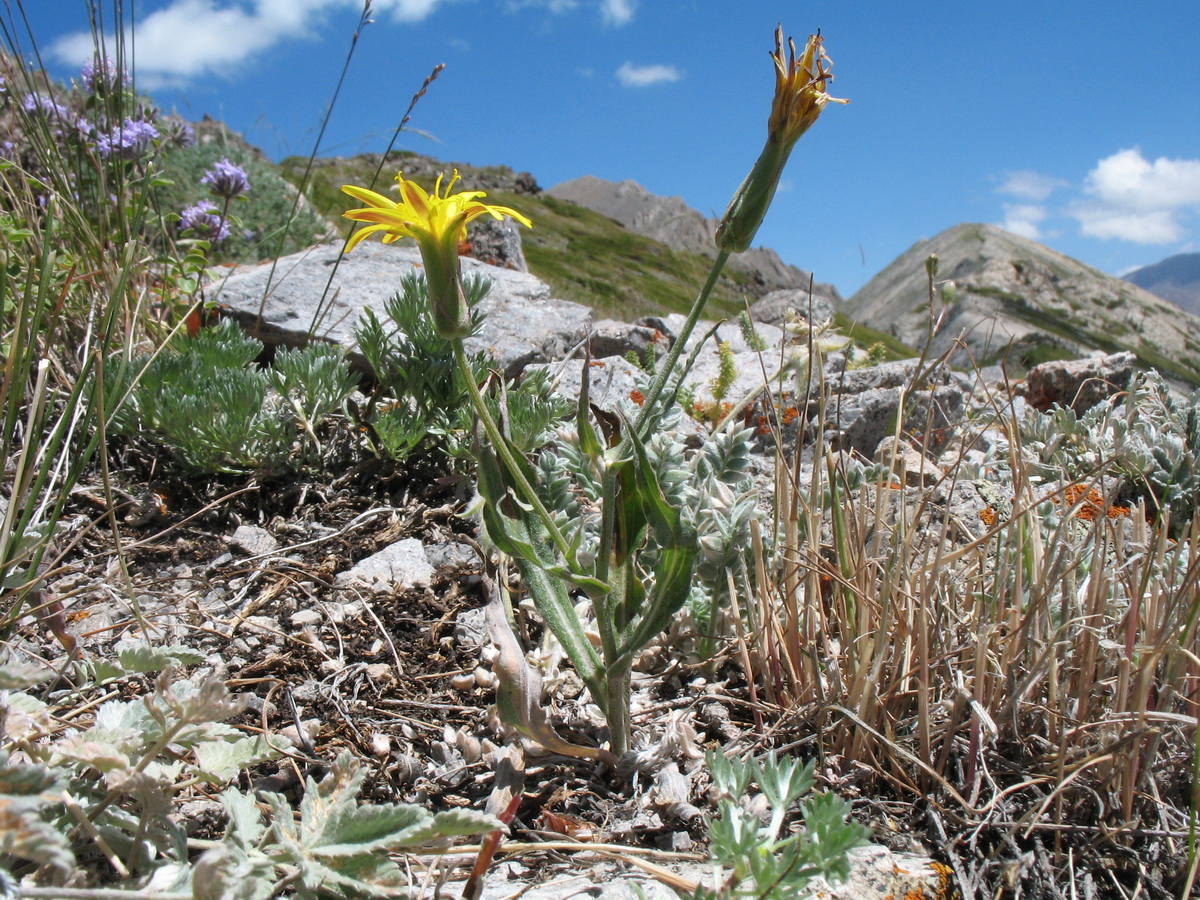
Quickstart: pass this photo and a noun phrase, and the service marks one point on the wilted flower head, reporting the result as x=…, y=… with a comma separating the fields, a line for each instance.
x=799, y=88
x=204, y=222
x=437, y=221
x=226, y=179
x=102, y=76
x=129, y=140
x=799, y=98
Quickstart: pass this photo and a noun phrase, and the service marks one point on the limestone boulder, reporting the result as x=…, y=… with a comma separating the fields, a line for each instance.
x=321, y=293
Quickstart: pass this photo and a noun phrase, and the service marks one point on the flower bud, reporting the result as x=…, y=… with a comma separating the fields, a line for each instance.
x=799, y=98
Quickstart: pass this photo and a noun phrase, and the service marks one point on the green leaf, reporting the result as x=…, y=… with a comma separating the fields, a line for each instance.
x=363, y=829
x=142, y=658
x=18, y=676
x=245, y=820
x=231, y=872
x=221, y=761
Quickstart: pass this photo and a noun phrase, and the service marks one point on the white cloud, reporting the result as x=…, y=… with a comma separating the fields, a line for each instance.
x=191, y=38
x=641, y=76
x=618, y=12
x=1154, y=227
x=1024, y=219
x=1134, y=199
x=1029, y=185
x=613, y=12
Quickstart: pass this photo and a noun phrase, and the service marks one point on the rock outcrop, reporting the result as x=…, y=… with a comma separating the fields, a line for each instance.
x=321, y=293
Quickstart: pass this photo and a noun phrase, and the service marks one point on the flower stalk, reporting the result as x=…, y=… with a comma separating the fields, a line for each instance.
x=640, y=572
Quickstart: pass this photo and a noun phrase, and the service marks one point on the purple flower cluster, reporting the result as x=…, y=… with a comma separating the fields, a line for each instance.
x=177, y=132
x=226, y=179
x=203, y=221
x=61, y=118
x=102, y=77
x=48, y=107
x=130, y=140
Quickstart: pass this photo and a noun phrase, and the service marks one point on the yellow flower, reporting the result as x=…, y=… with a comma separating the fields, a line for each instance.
x=437, y=221
x=799, y=98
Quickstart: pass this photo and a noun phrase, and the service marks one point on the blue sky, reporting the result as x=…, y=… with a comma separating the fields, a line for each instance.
x=1075, y=123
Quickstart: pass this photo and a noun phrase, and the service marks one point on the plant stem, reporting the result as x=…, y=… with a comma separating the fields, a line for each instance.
x=617, y=710
x=668, y=365
x=504, y=451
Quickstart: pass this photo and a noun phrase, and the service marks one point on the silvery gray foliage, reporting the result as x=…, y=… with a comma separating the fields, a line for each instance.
x=1147, y=438
x=711, y=484
x=204, y=398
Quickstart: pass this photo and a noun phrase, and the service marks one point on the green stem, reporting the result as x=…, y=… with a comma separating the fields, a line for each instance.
x=504, y=451
x=617, y=711
x=666, y=368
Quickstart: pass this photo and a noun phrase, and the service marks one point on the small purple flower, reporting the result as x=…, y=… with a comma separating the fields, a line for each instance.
x=8, y=151
x=102, y=76
x=129, y=140
x=56, y=112
x=178, y=133
x=204, y=222
x=226, y=179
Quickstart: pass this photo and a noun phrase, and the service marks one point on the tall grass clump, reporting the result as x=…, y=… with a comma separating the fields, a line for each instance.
x=1005, y=642
x=76, y=285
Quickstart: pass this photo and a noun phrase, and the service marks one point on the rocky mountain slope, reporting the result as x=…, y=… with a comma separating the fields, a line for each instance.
x=1007, y=298
x=672, y=222
x=1176, y=278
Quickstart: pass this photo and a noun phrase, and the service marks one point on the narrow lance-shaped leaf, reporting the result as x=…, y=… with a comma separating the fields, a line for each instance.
x=519, y=689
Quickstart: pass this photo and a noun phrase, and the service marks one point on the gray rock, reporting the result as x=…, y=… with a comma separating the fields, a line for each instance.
x=522, y=324
x=497, y=243
x=1080, y=383
x=773, y=309
x=611, y=338
x=394, y=568
x=918, y=469
x=253, y=541
x=611, y=380
x=451, y=555
x=860, y=421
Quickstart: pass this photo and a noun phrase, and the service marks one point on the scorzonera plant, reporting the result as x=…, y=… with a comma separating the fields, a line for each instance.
x=634, y=556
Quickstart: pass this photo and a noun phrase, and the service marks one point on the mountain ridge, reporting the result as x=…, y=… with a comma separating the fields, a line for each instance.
x=1006, y=298
x=671, y=221
x=1176, y=278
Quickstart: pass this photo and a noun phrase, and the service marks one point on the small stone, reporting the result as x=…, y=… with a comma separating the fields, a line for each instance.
x=332, y=666
x=381, y=673
x=918, y=470
x=394, y=568
x=463, y=681
x=674, y=841
x=253, y=541
x=381, y=745
x=306, y=617
x=311, y=728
